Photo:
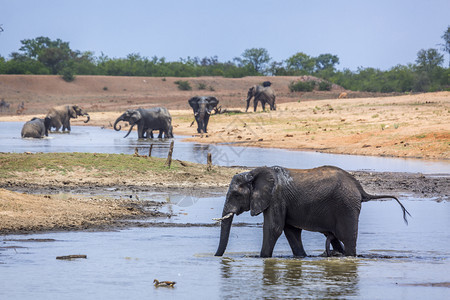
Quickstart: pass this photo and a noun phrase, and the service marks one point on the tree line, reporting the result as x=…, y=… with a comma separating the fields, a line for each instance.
x=42, y=55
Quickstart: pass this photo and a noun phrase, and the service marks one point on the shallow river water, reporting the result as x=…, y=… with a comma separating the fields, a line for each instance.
x=94, y=139
x=395, y=260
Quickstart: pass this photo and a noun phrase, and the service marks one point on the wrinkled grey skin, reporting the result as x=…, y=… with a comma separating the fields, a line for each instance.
x=147, y=120
x=202, y=107
x=36, y=128
x=61, y=116
x=325, y=199
x=263, y=94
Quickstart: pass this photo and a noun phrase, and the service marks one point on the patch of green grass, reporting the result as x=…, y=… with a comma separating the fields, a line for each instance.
x=67, y=162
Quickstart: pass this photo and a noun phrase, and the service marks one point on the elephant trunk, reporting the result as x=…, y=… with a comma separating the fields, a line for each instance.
x=117, y=121
x=88, y=118
x=129, y=130
x=225, y=228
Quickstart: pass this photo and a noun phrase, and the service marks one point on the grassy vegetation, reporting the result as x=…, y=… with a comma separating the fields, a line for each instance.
x=102, y=164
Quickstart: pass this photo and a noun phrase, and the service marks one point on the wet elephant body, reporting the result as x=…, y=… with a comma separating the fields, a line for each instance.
x=264, y=94
x=61, y=115
x=147, y=120
x=36, y=128
x=325, y=199
x=203, y=107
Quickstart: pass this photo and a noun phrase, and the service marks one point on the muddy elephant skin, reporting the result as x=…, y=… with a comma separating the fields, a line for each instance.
x=36, y=128
x=147, y=120
x=61, y=115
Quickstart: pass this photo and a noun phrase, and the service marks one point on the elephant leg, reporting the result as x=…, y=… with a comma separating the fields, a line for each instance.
x=294, y=237
x=160, y=134
x=263, y=104
x=255, y=104
x=337, y=245
x=66, y=125
x=56, y=124
x=272, y=229
x=348, y=234
x=248, y=104
x=140, y=131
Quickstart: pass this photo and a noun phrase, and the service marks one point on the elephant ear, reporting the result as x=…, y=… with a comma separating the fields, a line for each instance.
x=263, y=182
x=72, y=112
x=77, y=110
x=135, y=117
x=193, y=102
x=212, y=102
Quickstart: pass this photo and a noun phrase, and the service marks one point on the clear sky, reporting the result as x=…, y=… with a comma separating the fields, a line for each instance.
x=362, y=33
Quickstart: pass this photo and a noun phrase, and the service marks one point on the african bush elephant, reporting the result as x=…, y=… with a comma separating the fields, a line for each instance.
x=147, y=120
x=265, y=94
x=202, y=107
x=36, y=128
x=325, y=199
x=61, y=115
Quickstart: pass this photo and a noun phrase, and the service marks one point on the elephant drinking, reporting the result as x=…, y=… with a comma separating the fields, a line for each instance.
x=61, y=115
x=147, y=120
x=325, y=199
x=202, y=107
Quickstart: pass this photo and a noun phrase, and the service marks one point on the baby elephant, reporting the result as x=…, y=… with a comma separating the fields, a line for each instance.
x=36, y=128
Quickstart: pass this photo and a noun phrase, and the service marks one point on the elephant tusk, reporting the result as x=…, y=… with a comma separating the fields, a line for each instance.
x=223, y=218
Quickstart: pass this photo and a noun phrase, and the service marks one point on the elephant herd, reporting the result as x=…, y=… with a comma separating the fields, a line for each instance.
x=147, y=120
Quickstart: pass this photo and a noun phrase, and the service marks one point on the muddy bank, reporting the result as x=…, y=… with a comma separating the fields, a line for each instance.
x=29, y=213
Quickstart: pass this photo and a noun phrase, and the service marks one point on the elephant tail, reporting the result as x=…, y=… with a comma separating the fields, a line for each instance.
x=367, y=197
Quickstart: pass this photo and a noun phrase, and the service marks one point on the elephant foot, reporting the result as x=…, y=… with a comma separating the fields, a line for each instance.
x=333, y=253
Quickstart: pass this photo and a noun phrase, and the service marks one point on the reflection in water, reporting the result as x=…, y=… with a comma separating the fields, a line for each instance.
x=293, y=278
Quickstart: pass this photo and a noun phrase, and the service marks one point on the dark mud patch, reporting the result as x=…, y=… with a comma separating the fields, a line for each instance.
x=435, y=187
x=437, y=284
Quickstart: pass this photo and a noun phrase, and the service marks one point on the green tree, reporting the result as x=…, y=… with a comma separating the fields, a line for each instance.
x=446, y=45
x=326, y=62
x=428, y=60
x=301, y=63
x=258, y=58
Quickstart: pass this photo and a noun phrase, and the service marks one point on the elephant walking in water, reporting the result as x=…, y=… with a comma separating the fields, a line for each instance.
x=61, y=115
x=202, y=107
x=36, y=128
x=264, y=94
x=325, y=199
x=147, y=120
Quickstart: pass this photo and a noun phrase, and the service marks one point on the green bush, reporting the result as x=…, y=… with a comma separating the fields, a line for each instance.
x=67, y=75
x=201, y=86
x=325, y=86
x=302, y=86
x=183, y=85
